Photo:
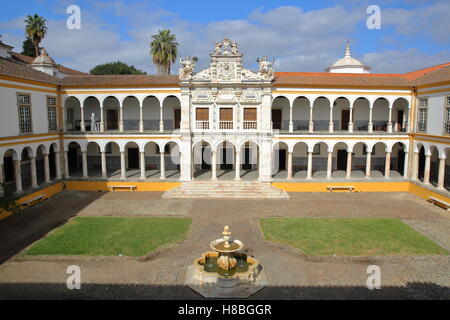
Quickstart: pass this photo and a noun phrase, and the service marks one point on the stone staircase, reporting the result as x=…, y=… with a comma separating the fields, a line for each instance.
x=225, y=190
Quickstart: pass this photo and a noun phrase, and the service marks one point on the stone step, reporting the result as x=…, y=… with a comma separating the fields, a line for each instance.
x=226, y=190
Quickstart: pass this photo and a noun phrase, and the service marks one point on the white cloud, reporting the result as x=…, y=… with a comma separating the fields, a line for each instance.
x=299, y=40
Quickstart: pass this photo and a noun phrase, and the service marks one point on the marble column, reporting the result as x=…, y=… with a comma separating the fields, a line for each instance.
x=82, y=123
x=123, y=170
x=213, y=166
x=370, y=125
x=368, y=164
x=291, y=123
x=33, y=172
x=389, y=125
x=350, y=121
x=311, y=123
x=84, y=164
x=102, y=120
x=387, y=165
x=289, y=167
x=58, y=165
x=330, y=165
x=141, y=118
x=331, y=124
x=405, y=166
x=309, y=172
x=104, y=169
x=142, y=165
x=349, y=165
x=415, y=169
x=426, y=175
x=238, y=165
x=66, y=165
x=162, y=165
x=18, y=175
x=46, y=169
x=121, y=118
x=161, y=120
x=441, y=176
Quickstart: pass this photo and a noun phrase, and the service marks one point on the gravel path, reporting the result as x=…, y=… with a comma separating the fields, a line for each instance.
x=290, y=275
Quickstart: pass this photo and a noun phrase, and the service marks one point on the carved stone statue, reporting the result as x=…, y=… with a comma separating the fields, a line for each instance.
x=226, y=47
x=187, y=69
x=265, y=68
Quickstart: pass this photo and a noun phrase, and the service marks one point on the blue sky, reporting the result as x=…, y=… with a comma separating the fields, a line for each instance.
x=300, y=35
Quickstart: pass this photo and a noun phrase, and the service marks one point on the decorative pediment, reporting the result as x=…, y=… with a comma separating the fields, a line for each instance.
x=226, y=67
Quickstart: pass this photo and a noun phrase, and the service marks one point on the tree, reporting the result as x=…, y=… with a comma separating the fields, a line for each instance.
x=28, y=48
x=117, y=67
x=36, y=30
x=164, y=50
x=7, y=202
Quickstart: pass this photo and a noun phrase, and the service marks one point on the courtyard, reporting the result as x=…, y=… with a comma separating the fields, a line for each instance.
x=292, y=273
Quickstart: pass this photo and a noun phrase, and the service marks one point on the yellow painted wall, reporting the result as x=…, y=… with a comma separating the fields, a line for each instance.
x=359, y=186
x=103, y=186
x=425, y=193
x=47, y=192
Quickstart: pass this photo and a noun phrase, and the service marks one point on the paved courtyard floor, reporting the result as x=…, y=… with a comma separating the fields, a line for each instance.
x=161, y=275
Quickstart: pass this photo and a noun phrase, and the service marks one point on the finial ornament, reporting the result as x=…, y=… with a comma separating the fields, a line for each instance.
x=347, y=49
x=226, y=236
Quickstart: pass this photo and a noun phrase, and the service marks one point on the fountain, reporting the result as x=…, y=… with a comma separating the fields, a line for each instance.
x=227, y=271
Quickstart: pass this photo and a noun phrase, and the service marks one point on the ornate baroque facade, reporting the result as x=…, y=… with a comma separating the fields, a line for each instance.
x=223, y=122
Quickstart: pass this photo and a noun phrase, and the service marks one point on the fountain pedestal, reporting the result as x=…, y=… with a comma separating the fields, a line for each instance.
x=218, y=274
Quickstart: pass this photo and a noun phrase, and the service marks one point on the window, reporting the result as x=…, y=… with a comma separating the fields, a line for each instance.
x=423, y=102
x=422, y=125
x=24, y=105
x=422, y=115
x=51, y=112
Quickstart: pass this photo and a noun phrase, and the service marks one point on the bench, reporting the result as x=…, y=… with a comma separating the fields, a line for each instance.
x=35, y=199
x=349, y=188
x=122, y=187
x=439, y=203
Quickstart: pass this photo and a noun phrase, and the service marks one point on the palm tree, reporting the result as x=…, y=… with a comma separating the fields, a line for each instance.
x=36, y=30
x=164, y=50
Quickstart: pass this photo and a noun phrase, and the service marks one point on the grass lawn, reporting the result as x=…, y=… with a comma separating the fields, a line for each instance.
x=107, y=236
x=348, y=236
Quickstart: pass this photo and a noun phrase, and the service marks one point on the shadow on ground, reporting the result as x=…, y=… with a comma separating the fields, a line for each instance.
x=22, y=229
x=136, y=292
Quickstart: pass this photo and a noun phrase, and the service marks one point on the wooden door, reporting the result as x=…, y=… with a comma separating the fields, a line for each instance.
x=345, y=118
x=399, y=120
x=226, y=114
x=276, y=118
x=401, y=162
x=202, y=114
x=247, y=165
x=282, y=159
x=250, y=114
x=177, y=118
x=342, y=160
x=133, y=158
x=112, y=119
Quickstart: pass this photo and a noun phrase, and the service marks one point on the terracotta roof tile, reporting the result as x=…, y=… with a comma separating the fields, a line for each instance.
x=29, y=60
x=437, y=76
x=121, y=80
x=24, y=71
x=340, y=79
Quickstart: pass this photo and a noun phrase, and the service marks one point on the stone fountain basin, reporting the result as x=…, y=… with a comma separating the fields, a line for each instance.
x=218, y=245
x=225, y=282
